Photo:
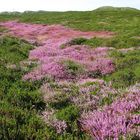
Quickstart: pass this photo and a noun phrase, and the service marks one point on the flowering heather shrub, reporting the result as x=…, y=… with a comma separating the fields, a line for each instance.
x=92, y=94
x=135, y=88
x=102, y=66
x=89, y=58
x=50, y=54
x=87, y=94
x=90, y=81
x=50, y=119
x=34, y=31
x=113, y=120
x=85, y=101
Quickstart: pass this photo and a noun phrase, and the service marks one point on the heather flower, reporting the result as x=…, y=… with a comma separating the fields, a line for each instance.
x=48, y=116
x=90, y=80
x=113, y=120
x=50, y=54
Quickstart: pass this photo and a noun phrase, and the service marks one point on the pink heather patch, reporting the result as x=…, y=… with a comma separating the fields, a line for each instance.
x=103, y=65
x=49, y=118
x=114, y=119
x=50, y=54
x=54, y=69
x=84, y=81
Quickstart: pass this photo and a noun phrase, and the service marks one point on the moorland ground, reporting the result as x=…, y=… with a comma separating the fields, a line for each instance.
x=76, y=107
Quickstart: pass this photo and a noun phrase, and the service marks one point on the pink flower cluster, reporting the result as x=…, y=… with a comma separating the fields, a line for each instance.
x=50, y=54
x=113, y=120
x=92, y=93
x=51, y=61
x=48, y=116
x=41, y=32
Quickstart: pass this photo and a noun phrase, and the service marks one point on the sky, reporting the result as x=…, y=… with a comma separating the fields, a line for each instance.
x=63, y=5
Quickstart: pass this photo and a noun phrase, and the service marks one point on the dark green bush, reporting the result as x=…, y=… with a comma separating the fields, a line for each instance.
x=77, y=41
x=69, y=113
x=96, y=42
x=17, y=123
x=20, y=102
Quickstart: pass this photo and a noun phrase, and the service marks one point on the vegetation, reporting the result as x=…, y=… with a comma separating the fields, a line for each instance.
x=127, y=65
x=21, y=101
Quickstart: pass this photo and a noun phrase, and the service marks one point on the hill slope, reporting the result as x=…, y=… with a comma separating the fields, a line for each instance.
x=70, y=75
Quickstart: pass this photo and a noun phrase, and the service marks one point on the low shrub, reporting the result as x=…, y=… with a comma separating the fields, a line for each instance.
x=122, y=79
x=60, y=101
x=77, y=41
x=69, y=113
x=72, y=68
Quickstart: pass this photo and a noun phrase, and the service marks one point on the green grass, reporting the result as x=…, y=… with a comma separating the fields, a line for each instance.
x=124, y=22
x=117, y=42
x=13, y=50
x=127, y=69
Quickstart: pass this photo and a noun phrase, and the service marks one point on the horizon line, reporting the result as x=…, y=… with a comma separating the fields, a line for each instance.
x=12, y=11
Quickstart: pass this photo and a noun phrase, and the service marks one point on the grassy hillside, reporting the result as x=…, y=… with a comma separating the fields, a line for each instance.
x=22, y=102
x=125, y=23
